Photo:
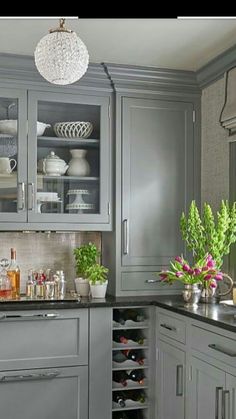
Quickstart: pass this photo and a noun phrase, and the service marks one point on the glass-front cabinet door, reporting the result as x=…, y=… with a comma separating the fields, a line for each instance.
x=68, y=158
x=13, y=155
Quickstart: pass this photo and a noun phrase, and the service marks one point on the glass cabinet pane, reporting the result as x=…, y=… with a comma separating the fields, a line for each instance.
x=8, y=154
x=68, y=158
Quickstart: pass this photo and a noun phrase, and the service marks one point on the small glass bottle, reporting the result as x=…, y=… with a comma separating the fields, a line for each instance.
x=31, y=285
x=13, y=273
x=5, y=283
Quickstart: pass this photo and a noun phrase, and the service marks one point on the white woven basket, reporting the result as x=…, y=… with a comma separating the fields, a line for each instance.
x=78, y=129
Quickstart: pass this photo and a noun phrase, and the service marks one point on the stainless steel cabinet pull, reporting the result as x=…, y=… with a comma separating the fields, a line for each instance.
x=31, y=196
x=21, y=196
x=152, y=281
x=218, y=400
x=222, y=350
x=27, y=377
x=29, y=316
x=226, y=405
x=179, y=380
x=166, y=326
x=125, y=237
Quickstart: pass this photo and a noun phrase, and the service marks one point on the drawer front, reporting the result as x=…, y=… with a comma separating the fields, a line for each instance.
x=146, y=281
x=43, y=338
x=42, y=394
x=212, y=344
x=171, y=327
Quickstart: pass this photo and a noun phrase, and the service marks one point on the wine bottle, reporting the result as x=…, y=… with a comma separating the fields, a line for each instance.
x=13, y=272
x=119, y=398
x=121, y=415
x=136, y=375
x=119, y=356
x=118, y=316
x=120, y=336
x=136, y=395
x=137, y=336
x=136, y=315
x=135, y=414
x=134, y=355
x=120, y=377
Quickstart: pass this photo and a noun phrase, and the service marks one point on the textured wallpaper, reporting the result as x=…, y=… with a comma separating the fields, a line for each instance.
x=215, y=147
x=45, y=250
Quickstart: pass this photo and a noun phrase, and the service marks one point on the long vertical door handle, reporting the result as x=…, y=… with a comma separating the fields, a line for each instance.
x=21, y=196
x=31, y=196
x=226, y=405
x=218, y=404
x=179, y=380
x=125, y=237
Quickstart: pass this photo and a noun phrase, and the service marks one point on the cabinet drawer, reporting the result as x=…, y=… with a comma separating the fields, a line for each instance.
x=145, y=281
x=41, y=394
x=171, y=327
x=212, y=344
x=43, y=338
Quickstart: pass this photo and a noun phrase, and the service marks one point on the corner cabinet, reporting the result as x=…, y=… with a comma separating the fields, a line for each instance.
x=35, y=199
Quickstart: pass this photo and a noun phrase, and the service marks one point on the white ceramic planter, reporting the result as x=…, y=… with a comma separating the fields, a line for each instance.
x=98, y=290
x=82, y=287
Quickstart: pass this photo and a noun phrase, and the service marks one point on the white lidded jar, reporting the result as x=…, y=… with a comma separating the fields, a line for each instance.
x=78, y=165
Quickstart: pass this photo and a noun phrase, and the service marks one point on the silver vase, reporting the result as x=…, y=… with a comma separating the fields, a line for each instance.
x=191, y=295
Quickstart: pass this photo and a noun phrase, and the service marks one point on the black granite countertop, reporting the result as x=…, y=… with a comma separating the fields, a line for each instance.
x=219, y=315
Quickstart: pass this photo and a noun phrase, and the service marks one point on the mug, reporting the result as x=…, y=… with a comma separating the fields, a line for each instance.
x=5, y=165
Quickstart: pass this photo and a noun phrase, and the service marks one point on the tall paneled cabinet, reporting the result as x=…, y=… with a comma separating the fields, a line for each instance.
x=157, y=174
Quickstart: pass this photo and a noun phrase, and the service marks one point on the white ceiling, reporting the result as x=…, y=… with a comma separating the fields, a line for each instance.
x=171, y=43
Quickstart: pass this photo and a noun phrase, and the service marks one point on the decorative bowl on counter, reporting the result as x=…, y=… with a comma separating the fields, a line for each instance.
x=9, y=126
x=77, y=129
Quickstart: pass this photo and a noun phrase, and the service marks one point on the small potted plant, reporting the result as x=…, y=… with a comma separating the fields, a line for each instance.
x=97, y=275
x=85, y=256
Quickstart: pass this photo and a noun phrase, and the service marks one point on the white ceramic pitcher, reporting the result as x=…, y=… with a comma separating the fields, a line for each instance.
x=5, y=165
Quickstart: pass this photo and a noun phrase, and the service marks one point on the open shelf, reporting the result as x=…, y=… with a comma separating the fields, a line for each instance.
x=67, y=142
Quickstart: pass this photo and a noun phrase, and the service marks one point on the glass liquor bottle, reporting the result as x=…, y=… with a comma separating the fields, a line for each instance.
x=13, y=273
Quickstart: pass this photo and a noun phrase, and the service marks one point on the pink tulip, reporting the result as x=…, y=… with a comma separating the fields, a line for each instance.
x=211, y=263
x=209, y=257
x=205, y=268
x=197, y=271
x=213, y=285
x=219, y=276
x=179, y=259
x=207, y=277
x=190, y=271
x=186, y=267
x=163, y=275
x=179, y=274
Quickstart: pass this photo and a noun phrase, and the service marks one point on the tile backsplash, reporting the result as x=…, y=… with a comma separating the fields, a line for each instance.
x=39, y=250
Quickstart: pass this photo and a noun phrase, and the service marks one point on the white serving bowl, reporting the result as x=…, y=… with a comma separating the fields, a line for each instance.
x=9, y=126
x=76, y=129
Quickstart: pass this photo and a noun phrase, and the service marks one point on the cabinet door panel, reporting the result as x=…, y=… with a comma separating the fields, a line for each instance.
x=170, y=382
x=204, y=396
x=38, y=394
x=231, y=386
x=157, y=178
x=61, y=191
x=13, y=155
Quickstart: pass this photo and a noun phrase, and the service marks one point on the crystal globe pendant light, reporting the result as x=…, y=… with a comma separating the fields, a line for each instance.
x=61, y=57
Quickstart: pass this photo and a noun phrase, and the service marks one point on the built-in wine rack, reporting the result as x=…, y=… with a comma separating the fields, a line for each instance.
x=132, y=409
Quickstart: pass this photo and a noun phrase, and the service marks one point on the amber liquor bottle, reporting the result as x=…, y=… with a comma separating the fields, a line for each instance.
x=13, y=273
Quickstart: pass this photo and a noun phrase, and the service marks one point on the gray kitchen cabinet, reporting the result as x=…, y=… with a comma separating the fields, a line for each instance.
x=32, y=198
x=156, y=161
x=170, y=390
x=44, y=364
x=230, y=396
x=44, y=393
x=205, y=391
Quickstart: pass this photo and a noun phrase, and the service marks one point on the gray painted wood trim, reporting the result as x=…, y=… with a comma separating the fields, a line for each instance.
x=126, y=77
x=216, y=68
x=22, y=68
